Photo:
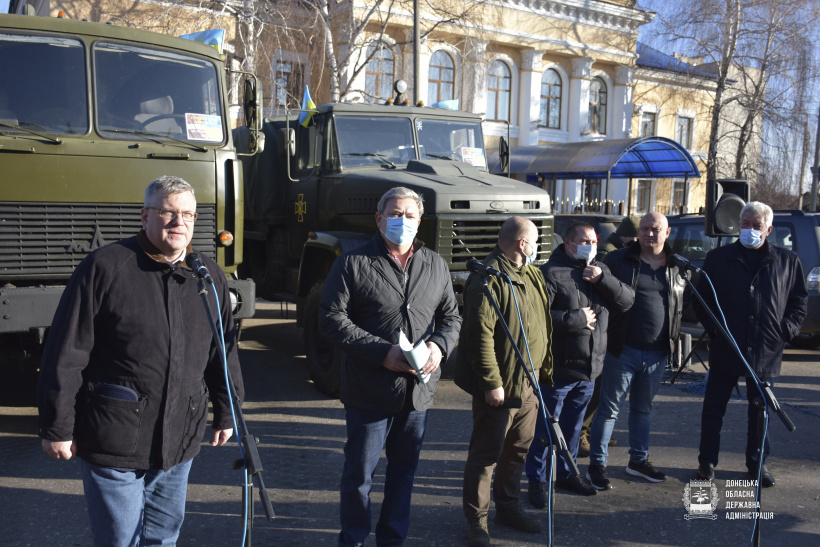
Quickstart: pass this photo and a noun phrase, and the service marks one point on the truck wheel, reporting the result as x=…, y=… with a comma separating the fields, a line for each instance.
x=323, y=357
x=266, y=265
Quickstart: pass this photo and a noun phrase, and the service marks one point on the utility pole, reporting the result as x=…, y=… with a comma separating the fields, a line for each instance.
x=815, y=169
x=416, y=48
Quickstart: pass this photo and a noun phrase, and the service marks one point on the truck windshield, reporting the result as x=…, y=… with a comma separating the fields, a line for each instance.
x=451, y=140
x=371, y=140
x=156, y=91
x=42, y=85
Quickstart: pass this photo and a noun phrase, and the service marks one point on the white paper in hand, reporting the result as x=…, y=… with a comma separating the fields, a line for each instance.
x=416, y=356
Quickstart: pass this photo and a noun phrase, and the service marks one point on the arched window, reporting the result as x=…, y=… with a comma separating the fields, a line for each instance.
x=499, y=87
x=551, y=99
x=440, y=78
x=378, y=83
x=597, y=106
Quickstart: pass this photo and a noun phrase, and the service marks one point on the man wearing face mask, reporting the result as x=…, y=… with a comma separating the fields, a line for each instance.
x=762, y=292
x=391, y=284
x=581, y=291
x=504, y=405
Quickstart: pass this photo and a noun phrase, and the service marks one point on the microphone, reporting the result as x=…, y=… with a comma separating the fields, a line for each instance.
x=477, y=267
x=194, y=261
x=683, y=263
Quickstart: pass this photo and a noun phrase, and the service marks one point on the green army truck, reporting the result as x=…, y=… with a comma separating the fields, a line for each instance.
x=312, y=194
x=91, y=113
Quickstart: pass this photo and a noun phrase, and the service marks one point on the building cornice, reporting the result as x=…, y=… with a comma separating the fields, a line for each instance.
x=595, y=14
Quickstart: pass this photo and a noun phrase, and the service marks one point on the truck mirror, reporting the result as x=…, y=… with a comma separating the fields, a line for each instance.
x=287, y=142
x=251, y=101
x=504, y=154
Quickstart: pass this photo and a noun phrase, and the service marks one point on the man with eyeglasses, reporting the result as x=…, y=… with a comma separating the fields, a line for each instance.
x=127, y=371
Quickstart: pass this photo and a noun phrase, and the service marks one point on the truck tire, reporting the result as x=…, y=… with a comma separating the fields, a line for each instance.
x=324, y=358
x=265, y=262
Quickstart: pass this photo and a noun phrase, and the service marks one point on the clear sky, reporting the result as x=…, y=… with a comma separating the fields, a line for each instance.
x=4, y=6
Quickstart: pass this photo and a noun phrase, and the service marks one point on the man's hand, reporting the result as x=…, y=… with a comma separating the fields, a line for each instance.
x=494, y=397
x=221, y=436
x=395, y=361
x=59, y=450
x=592, y=274
x=590, y=317
x=435, y=358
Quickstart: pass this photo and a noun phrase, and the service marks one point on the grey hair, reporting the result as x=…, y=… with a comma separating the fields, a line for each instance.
x=758, y=208
x=400, y=192
x=166, y=185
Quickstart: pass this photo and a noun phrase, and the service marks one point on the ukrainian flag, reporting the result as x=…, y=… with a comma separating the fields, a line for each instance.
x=307, y=104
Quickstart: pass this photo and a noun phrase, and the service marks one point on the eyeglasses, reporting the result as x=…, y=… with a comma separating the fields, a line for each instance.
x=169, y=214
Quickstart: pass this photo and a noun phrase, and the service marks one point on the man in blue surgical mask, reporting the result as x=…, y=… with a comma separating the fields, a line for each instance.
x=391, y=284
x=762, y=292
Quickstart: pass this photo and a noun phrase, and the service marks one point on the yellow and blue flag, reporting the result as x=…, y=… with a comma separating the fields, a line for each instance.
x=307, y=104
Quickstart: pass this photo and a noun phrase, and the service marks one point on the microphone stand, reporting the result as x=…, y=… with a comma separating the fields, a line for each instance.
x=550, y=421
x=761, y=402
x=250, y=461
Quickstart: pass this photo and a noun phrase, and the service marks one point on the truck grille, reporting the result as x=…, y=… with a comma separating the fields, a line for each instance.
x=46, y=241
x=462, y=238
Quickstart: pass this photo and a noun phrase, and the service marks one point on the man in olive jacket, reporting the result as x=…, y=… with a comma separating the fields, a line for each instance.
x=762, y=292
x=505, y=406
x=391, y=284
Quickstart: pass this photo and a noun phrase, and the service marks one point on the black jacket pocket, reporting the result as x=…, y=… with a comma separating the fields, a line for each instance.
x=110, y=425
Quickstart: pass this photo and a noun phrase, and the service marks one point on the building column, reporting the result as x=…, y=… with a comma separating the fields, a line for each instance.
x=529, y=97
x=622, y=115
x=579, y=97
x=474, y=83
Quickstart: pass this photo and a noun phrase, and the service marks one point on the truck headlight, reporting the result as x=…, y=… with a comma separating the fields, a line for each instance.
x=813, y=279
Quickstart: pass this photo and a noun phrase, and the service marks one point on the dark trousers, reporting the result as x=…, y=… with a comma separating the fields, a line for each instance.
x=566, y=402
x=500, y=441
x=368, y=431
x=719, y=388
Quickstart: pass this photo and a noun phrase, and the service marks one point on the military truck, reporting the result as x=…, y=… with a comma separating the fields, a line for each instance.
x=312, y=194
x=91, y=113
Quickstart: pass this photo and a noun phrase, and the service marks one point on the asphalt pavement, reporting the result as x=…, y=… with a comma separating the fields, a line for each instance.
x=302, y=436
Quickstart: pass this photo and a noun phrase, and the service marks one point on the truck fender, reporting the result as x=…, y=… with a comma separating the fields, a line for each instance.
x=319, y=253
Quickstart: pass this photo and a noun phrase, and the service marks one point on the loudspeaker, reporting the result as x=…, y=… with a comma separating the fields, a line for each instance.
x=724, y=200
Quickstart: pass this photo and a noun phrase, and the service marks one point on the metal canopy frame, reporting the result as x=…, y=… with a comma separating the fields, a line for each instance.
x=647, y=157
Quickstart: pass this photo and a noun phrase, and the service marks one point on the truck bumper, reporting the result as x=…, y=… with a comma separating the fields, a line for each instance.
x=26, y=308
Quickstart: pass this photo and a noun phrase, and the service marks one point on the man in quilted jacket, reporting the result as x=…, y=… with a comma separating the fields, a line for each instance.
x=391, y=284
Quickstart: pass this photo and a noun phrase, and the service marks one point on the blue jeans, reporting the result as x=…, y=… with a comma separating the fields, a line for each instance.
x=368, y=431
x=567, y=402
x=637, y=373
x=719, y=388
x=140, y=507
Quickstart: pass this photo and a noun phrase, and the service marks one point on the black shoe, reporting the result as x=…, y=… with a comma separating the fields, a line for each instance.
x=766, y=478
x=576, y=484
x=706, y=472
x=518, y=519
x=538, y=494
x=477, y=532
x=596, y=474
x=645, y=470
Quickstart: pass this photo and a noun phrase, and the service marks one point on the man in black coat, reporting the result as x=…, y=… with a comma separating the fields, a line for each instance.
x=390, y=285
x=762, y=292
x=581, y=292
x=128, y=369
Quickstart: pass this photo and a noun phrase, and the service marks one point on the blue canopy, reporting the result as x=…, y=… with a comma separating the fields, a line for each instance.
x=648, y=157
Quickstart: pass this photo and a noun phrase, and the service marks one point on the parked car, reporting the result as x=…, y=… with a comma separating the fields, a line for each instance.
x=604, y=225
x=793, y=230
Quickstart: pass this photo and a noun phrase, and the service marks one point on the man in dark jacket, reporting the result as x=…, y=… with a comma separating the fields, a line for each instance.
x=581, y=292
x=127, y=371
x=762, y=292
x=505, y=406
x=625, y=234
x=390, y=285
x=640, y=344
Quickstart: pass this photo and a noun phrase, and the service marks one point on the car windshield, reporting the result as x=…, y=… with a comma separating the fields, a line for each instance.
x=157, y=92
x=451, y=140
x=42, y=85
